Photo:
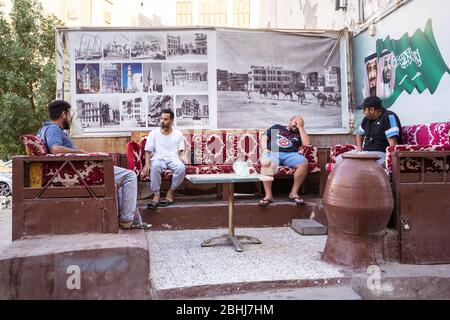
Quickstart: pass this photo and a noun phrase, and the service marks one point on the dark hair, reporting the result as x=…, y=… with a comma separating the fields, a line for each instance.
x=169, y=111
x=56, y=108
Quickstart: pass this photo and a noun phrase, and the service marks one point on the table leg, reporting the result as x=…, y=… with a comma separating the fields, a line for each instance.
x=230, y=238
x=231, y=209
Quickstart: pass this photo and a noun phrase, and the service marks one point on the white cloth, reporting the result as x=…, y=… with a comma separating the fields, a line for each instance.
x=164, y=146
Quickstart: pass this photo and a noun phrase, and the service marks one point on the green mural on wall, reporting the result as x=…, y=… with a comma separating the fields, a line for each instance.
x=404, y=65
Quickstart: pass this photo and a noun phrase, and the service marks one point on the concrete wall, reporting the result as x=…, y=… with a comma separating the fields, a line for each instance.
x=415, y=108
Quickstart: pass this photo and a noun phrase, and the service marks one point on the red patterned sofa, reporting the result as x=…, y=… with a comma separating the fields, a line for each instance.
x=62, y=193
x=423, y=137
x=215, y=151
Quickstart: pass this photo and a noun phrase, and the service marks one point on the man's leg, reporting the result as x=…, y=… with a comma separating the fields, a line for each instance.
x=298, y=161
x=270, y=161
x=178, y=173
x=157, y=167
x=126, y=182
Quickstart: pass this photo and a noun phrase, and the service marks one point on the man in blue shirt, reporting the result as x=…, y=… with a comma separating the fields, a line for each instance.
x=56, y=140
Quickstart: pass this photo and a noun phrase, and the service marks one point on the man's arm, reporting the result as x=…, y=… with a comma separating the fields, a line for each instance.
x=60, y=149
x=392, y=141
x=359, y=142
x=146, y=170
x=264, y=140
x=301, y=129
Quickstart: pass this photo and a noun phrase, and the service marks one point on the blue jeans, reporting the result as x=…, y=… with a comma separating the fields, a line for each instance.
x=126, y=181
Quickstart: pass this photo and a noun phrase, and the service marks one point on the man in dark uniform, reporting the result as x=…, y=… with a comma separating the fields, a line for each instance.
x=379, y=129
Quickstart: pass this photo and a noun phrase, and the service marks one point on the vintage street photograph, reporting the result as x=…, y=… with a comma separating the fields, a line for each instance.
x=116, y=46
x=98, y=112
x=152, y=76
x=261, y=78
x=185, y=77
x=111, y=78
x=132, y=77
x=88, y=46
x=148, y=46
x=192, y=110
x=155, y=105
x=133, y=112
x=187, y=46
x=87, y=78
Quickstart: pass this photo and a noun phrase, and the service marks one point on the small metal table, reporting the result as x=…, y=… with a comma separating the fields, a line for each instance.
x=228, y=180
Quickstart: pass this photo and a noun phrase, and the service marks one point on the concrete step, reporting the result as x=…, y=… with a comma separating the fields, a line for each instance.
x=212, y=213
x=314, y=293
x=308, y=227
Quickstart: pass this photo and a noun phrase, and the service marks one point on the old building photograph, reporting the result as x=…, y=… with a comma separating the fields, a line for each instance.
x=261, y=77
x=155, y=104
x=192, y=110
x=132, y=77
x=187, y=46
x=116, y=46
x=87, y=78
x=98, y=113
x=133, y=112
x=88, y=46
x=111, y=78
x=152, y=77
x=148, y=46
x=185, y=77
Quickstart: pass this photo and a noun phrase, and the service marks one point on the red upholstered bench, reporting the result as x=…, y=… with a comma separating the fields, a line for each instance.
x=62, y=193
x=423, y=137
x=215, y=151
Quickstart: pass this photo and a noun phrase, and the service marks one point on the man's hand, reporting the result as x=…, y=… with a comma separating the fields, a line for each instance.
x=145, y=171
x=184, y=159
x=300, y=122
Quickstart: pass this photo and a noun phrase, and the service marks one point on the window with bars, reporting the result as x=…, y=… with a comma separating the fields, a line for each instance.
x=241, y=13
x=184, y=13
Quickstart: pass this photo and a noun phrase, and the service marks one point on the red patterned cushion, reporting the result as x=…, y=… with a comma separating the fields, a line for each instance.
x=242, y=145
x=427, y=134
x=134, y=156
x=330, y=166
x=339, y=149
x=213, y=147
x=311, y=154
x=91, y=171
x=414, y=164
x=33, y=145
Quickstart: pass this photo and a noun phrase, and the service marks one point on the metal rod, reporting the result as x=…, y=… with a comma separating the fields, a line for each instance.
x=231, y=209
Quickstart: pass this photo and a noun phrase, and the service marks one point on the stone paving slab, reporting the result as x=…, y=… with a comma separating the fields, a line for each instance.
x=178, y=261
x=5, y=228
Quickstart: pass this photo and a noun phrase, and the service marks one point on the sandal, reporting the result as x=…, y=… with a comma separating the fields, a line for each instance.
x=153, y=205
x=141, y=225
x=265, y=202
x=296, y=200
x=166, y=203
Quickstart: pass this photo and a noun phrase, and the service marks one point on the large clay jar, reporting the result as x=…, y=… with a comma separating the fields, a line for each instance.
x=358, y=203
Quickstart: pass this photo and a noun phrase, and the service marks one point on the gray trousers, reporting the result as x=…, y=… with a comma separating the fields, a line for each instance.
x=159, y=165
x=380, y=161
x=126, y=181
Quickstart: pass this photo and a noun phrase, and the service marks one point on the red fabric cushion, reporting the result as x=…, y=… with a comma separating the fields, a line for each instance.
x=33, y=145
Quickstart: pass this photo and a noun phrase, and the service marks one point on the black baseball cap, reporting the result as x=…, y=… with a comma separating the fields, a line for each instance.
x=372, y=101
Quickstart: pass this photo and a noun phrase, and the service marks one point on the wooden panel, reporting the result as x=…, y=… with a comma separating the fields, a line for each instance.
x=102, y=144
x=64, y=192
x=426, y=210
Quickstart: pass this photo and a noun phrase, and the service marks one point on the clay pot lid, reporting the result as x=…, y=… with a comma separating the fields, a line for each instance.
x=363, y=156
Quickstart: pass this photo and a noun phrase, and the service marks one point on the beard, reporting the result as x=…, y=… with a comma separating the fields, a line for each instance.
x=165, y=126
x=66, y=125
